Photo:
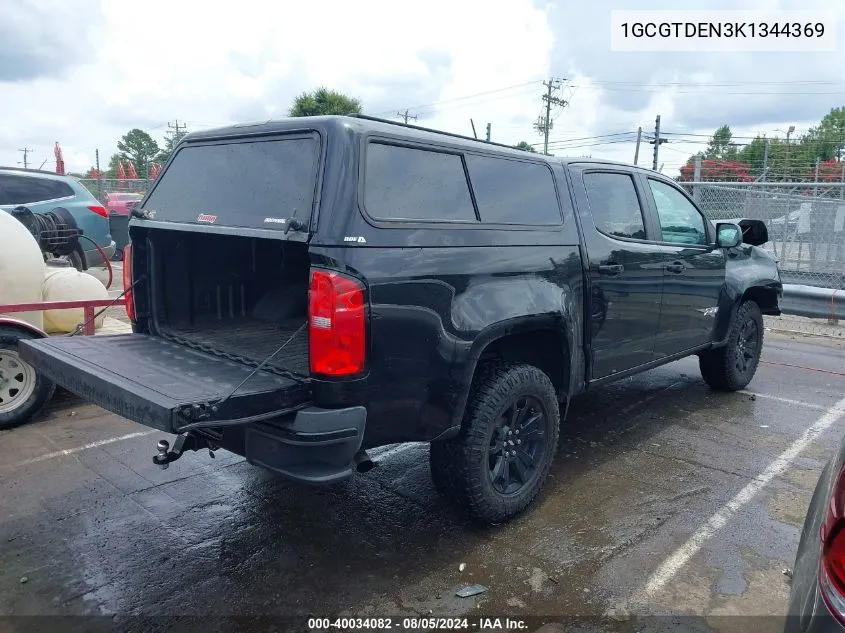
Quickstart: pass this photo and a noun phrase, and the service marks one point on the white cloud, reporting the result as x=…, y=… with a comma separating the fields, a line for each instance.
x=211, y=64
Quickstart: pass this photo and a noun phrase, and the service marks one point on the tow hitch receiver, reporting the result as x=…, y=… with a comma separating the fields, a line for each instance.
x=184, y=442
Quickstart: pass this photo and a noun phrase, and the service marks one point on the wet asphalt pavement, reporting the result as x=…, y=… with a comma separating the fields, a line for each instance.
x=88, y=525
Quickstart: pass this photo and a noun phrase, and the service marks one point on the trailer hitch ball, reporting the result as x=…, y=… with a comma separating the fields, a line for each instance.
x=162, y=460
x=184, y=442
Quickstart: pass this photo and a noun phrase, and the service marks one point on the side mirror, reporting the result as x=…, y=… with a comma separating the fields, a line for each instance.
x=728, y=235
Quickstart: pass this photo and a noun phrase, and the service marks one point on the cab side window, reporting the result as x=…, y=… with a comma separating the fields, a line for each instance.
x=614, y=205
x=680, y=221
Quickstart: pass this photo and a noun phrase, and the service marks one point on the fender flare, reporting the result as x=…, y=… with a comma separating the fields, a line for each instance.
x=729, y=303
x=497, y=331
x=12, y=322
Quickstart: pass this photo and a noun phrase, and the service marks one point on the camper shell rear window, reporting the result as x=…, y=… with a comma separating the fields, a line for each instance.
x=258, y=183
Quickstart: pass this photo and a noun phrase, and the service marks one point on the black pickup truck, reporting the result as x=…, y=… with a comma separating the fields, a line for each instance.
x=304, y=290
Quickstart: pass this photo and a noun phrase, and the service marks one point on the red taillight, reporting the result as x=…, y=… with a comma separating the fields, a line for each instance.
x=128, y=299
x=832, y=572
x=99, y=210
x=335, y=324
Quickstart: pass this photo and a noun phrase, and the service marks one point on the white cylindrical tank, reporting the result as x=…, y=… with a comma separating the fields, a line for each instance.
x=68, y=284
x=22, y=268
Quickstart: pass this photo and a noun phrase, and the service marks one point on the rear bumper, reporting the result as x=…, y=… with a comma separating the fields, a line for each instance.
x=317, y=446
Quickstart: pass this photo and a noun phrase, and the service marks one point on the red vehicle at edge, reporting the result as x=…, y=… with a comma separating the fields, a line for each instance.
x=117, y=203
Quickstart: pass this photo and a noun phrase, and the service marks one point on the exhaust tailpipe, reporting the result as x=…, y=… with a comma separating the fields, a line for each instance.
x=362, y=462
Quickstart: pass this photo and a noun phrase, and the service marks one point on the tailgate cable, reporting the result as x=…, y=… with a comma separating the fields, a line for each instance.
x=252, y=418
x=81, y=326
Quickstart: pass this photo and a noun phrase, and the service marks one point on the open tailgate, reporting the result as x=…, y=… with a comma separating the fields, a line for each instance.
x=156, y=382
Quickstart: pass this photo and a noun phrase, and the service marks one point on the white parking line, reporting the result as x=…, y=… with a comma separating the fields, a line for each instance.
x=799, y=403
x=672, y=565
x=79, y=449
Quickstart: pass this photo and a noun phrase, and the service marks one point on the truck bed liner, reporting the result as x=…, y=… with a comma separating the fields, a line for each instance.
x=248, y=340
x=150, y=380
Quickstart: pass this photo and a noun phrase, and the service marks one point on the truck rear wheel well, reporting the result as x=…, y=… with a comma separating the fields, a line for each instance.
x=766, y=298
x=544, y=349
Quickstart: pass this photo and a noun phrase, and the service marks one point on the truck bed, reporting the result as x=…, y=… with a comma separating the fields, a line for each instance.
x=242, y=306
x=249, y=341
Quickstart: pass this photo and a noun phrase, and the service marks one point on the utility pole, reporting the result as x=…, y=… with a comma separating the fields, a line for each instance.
x=637, y=150
x=544, y=123
x=472, y=123
x=656, y=142
x=696, y=177
x=99, y=175
x=488, y=132
x=26, y=151
x=406, y=115
x=176, y=130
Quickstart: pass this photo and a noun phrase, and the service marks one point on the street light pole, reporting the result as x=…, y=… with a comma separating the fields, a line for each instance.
x=788, y=174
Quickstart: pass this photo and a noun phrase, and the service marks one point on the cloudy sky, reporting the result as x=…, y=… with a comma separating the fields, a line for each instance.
x=83, y=72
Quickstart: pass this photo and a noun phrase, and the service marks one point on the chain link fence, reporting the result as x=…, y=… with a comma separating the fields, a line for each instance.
x=806, y=223
x=99, y=188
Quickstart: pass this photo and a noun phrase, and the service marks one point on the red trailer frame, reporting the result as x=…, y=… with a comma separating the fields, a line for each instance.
x=25, y=330
x=88, y=306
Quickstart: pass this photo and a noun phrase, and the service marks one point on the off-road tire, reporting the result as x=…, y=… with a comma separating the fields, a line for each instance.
x=42, y=389
x=460, y=467
x=721, y=368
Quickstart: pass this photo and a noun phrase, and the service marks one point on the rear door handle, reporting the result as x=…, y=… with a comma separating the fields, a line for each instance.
x=676, y=267
x=611, y=269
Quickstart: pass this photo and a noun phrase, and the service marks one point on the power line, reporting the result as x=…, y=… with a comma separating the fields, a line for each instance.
x=706, y=88
x=583, y=145
x=561, y=141
x=456, y=106
x=707, y=135
x=463, y=98
x=589, y=138
x=726, y=84
x=613, y=139
x=633, y=86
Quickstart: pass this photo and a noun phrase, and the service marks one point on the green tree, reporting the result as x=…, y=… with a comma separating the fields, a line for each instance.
x=171, y=140
x=721, y=145
x=139, y=147
x=524, y=145
x=111, y=170
x=323, y=101
x=754, y=155
x=832, y=130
